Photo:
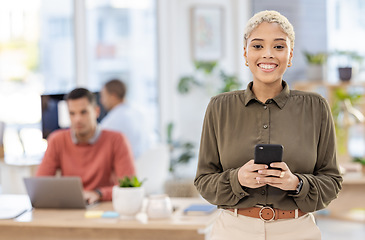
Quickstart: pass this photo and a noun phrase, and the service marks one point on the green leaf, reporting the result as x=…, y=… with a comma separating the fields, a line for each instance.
x=170, y=128
x=342, y=94
x=188, y=145
x=231, y=82
x=185, y=157
x=350, y=55
x=130, y=182
x=186, y=83
x=206, y=66
x=316, y=58
x=359, y=160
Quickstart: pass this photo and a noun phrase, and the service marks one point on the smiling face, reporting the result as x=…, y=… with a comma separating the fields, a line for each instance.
x=268, y=53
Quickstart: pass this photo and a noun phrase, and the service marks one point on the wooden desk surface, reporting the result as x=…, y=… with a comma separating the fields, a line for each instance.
x=71, y=224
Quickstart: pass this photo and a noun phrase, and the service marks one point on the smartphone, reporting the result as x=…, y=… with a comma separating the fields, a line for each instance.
x=268, y=153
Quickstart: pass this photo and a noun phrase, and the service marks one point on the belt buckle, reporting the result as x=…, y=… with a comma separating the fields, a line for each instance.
x=262, y=209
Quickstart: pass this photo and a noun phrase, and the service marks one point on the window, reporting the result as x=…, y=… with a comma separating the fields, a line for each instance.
x=121, y=43
x=35, y=56
x=38, y=56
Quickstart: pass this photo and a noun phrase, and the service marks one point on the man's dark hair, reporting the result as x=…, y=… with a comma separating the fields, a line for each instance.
x=117, y=87
x=78, y=93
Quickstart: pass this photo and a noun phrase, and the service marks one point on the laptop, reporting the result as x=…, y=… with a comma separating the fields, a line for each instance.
x=55, y=192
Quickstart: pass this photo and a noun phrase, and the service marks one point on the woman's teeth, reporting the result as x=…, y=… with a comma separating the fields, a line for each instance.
x=267, y=66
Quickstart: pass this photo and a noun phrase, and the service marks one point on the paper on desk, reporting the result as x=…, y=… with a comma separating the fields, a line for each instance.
x=93, y=214
x=12, y=206
x=11, y=213
x=110, y=214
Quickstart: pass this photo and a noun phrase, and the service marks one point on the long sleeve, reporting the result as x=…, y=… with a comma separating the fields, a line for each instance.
x=215, y=185
x=50, y=162
x=321, y=187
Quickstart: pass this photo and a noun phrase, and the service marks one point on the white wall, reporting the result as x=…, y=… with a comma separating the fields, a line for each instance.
x=187, y=112
x=309, y=18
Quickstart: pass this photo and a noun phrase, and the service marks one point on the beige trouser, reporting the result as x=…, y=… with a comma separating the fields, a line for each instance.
x=229, y=226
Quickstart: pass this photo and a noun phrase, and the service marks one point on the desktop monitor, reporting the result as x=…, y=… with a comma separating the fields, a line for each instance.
x=55, y=112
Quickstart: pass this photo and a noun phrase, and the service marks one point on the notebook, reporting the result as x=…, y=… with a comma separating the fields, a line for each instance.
x=199, y=209
x=55, y=192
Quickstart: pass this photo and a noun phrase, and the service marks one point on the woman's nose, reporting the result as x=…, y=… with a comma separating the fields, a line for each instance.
x=268, y=53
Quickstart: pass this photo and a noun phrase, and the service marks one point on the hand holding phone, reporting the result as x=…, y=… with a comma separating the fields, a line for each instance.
x=268, y=153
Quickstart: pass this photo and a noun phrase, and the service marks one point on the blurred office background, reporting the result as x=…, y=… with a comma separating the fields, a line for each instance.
x=50, y=47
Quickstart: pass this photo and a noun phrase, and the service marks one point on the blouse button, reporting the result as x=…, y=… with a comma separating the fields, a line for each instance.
x=265, y=107
x=265, y=126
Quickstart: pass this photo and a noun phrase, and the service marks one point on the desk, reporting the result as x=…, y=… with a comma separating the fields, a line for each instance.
x=52, y=224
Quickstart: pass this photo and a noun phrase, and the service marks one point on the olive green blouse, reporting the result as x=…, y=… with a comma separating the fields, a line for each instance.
x=236, y=121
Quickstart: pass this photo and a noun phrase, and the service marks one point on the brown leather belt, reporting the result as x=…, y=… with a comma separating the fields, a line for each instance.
x=267, y=213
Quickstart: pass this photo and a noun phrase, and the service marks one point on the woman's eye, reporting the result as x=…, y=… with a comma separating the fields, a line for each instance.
x=279, y=47
x=257, y=46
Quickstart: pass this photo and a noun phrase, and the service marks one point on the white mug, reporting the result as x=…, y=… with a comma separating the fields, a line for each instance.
x=159, y=206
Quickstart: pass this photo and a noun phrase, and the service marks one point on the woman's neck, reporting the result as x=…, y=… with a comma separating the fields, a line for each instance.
x=264, y=91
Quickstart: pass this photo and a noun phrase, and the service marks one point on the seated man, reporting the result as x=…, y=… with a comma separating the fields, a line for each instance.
x=98, y=156
x=124, y=117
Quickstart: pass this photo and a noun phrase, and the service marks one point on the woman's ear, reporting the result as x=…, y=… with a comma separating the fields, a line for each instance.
x=291, y=55
x=245, y=53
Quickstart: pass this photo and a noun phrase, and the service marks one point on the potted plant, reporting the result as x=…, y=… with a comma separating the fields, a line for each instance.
x=206, y=76
x=346, y=60
x=128, y=197
x=316, y=69
x=181, y=153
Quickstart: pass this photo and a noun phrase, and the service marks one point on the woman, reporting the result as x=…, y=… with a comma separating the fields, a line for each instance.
x=262, y=203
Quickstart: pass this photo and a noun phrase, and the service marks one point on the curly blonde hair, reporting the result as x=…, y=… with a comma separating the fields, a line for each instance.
x=270, y=17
